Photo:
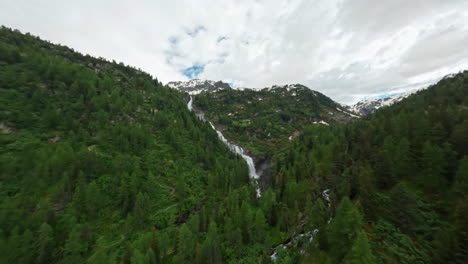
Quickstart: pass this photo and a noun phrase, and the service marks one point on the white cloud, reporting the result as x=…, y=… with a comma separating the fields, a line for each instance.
x=346, y=49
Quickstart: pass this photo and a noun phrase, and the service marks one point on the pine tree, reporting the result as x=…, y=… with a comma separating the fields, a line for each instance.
x=26, y=252
x=433, y=164
x=164, y=244
x=317, y=215
x=151, y=257
x=260, y=226
x=367, y=193
x=44, y=243
x=232, y=234
x=461, y=177
x=210, y=250
x=185, y=245
x=102, y=256
x=342, y=230
x=74, y=247
x=94, y=200
x=79, y=196
x=141, y=210
x=360, y=252
x=404, y=208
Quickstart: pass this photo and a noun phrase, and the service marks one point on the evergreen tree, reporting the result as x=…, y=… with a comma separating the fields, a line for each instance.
x=461, y=177
x=342, y=230
x=433, y=164
x=141, y=210
x=101, y=255
x=44, y=244
x=74, y=247
x=360, y=252
x=185, y=245
x=404, y=208
x=210, y=250
x=260, y=226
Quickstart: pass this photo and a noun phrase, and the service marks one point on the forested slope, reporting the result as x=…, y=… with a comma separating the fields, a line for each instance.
x=398, y=180
x=99, y=161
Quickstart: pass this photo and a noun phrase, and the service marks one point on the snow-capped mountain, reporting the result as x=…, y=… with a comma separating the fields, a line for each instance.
x=291, y=93
x=289, y=87
x=197, y=86
x=361, y=108
x=368, y=106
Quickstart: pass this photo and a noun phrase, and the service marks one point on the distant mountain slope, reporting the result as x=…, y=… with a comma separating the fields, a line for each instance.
x=368, y=106
x=262, y=119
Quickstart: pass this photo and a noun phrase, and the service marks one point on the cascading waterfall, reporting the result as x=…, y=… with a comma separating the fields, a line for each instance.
x=190, y=103
x=232, y=147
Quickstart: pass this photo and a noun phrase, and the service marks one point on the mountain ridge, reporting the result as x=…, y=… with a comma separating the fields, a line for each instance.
x=367, y=106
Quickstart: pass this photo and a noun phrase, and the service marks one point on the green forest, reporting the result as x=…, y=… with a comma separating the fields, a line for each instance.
x=102, y=163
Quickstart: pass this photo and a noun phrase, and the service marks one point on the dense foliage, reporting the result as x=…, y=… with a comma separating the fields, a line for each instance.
x=100, y=163
x=405, y=168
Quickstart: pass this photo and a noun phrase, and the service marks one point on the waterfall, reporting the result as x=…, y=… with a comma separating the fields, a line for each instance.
x=189, y=105
x=236, y=149
x=232, y=147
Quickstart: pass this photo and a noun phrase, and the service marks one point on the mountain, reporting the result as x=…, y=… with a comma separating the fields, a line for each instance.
x=261, y=120
x=197, y=86
x=365, y=107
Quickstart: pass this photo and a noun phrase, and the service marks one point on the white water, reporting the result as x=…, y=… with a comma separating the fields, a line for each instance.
x=189, y=105
x=310, y=234
x=232, y=147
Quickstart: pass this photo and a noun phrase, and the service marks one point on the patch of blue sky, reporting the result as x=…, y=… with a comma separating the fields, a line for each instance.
x=387, y=95
x=194, y=71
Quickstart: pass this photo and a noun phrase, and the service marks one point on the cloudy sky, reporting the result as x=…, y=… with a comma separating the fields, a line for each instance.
x=346, y=49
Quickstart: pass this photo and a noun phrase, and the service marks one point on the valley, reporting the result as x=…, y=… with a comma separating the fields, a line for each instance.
x=103, y=163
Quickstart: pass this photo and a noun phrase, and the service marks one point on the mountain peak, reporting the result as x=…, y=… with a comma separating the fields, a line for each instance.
x=289, y=87
x=368, y=106
x=196, y=86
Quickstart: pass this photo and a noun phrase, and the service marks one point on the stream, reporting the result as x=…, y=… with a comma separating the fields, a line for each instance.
x=296, y=236
x=232, y=147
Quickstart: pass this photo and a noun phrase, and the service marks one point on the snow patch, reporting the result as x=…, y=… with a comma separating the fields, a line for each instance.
x=321, y=122
x=367, y=106
x=350, y=114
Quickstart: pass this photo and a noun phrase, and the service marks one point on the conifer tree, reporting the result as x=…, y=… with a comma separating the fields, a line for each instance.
x=44, y=243
x=342, y=230
x=360, y=252
x=211, y=250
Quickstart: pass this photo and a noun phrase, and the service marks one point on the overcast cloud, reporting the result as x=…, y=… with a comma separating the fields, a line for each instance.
x=346, y=49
